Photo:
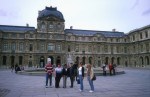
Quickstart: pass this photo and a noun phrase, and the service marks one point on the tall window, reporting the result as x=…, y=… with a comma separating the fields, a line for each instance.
x=14, y=35
x=30, y=47
x=105, y=49
x=118, y=49
x=42, y=47
x=4, y=60
x=146, y=34
x=133, y=37
x=5, y=35
x=43, y=27
x=147, y=47
x=58, y=48
x=141, y=48
x=21, y=35
x=90, y=49
x=20, y=46
x=125, y=49
x=20, y=60
x=5, y=46
x=13, y=46
x=69, y=49
x=77, y=48
x=141, y=36
x=31, y=35
x=98, y=49
x=51, y=47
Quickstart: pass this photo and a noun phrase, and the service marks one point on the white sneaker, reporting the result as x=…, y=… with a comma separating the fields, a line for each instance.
x=91, y=91
x=80, y=90
x=46, y=86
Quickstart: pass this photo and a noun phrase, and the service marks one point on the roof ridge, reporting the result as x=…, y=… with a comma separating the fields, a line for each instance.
x=93, y=30
x=16, y=26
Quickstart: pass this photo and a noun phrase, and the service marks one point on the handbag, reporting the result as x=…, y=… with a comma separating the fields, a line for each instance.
x=78, y=81
x=94, y=78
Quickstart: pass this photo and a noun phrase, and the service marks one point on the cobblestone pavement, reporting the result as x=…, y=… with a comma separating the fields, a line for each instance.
x=134, y=83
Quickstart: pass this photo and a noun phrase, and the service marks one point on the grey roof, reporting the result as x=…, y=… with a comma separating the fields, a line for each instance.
x=92, y=32
x=50, y=11
x=8, y=28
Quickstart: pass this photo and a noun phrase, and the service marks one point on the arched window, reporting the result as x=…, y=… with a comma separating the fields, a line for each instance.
x=4, y=60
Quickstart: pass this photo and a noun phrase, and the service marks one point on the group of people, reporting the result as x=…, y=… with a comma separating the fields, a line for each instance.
x=110, y=67
x=73, y=71
x=15, y=67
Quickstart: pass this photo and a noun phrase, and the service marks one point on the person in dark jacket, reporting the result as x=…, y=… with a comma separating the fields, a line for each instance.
x=71, y=74
x=75, y=70
x=65, y=75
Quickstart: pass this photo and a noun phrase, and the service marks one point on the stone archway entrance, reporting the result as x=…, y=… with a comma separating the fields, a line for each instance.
x=12, y=60
x=42, y=62
x=52, y=59
x=58, y=60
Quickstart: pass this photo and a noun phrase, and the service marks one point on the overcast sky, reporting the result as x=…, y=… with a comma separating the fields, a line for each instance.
x=104, y=15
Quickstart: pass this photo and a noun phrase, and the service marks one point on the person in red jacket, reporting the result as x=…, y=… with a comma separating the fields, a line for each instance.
x=49, y=72
x=110, y=68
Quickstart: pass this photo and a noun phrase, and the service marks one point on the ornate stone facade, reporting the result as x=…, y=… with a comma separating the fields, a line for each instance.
x=31, y=47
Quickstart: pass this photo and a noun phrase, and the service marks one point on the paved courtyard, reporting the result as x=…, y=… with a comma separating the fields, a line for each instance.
x=134, y=83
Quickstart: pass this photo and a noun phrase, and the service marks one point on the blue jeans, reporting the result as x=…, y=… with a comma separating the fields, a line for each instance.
x=91, y=83
x=50, y=79
x=81, y=82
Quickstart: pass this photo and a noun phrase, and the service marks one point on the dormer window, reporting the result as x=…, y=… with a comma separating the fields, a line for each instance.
x=43, y=27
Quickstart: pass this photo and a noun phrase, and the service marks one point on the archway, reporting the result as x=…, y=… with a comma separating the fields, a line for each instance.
x=77, y=60
x=4, y=60
x=13, y=60
x=118, y=60
x=147, y=60
x=106, y=60
x=83, y=60
x=112, y=60
x=58, y=60
x=52, y=59
x=42, y=62
x=90, y=60
x=141, y=61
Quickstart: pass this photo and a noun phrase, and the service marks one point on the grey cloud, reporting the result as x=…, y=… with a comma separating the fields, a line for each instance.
x=146, y=12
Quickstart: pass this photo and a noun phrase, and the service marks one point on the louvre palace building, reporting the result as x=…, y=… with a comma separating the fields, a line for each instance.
x=30, y=47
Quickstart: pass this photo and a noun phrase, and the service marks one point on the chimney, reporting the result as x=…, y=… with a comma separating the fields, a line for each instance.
x=114, y=30
x=71, y=27
x=27, y=25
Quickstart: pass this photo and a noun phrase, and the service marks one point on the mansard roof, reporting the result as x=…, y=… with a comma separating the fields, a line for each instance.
x=92, y=32
x=139, y=29
x=50, y=11
x=9, y=28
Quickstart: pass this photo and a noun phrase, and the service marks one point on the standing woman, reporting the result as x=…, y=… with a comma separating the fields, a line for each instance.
x=90, y=75
x=81, y=76
x=58, y=74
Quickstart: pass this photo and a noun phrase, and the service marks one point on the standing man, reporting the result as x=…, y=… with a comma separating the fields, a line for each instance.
x=49, y=71
x=71, y=74
x=65, y=75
